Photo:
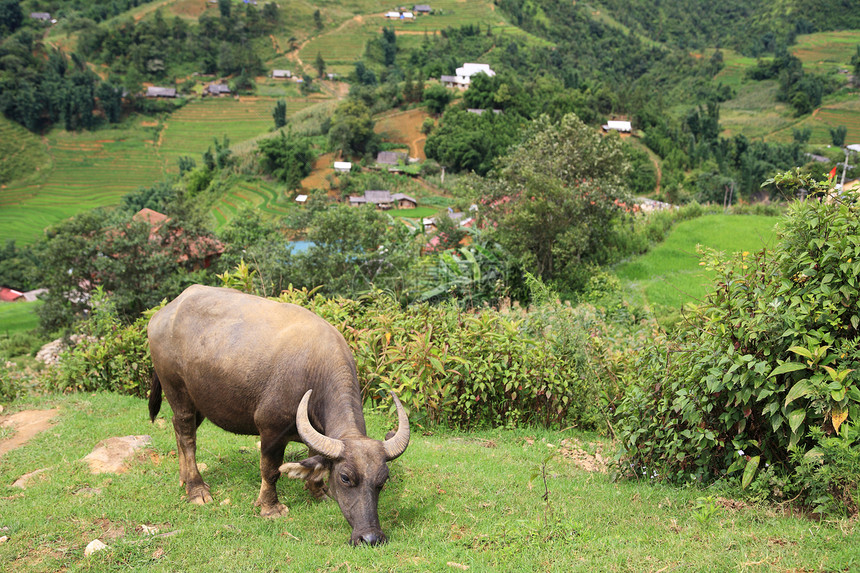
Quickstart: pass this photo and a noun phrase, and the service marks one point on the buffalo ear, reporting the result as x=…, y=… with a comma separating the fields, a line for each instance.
x=315, y=469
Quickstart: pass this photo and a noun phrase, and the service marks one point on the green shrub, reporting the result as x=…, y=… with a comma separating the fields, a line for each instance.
x=107, y=356
x=766, y=370
x=475, y=368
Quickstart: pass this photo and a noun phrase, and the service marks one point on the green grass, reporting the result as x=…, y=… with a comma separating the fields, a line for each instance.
x=734, y=69
x=417, y=213
x=18, y=317
x=454, y=500
x=830, y=115
x=669, y=276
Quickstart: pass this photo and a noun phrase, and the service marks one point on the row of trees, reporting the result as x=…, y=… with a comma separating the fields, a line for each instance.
x=40, y=87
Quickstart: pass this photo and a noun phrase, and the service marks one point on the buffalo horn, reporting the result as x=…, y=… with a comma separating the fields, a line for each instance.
x=329, y=447
x=396, y=445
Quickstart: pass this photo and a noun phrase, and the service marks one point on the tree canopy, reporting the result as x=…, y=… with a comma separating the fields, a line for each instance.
x=555, y=199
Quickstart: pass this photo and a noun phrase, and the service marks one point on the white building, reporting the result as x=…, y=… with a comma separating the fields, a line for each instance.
x=622, y=126
x=465, y=73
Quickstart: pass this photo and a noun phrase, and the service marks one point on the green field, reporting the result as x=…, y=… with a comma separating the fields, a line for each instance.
x=826, y=52
x=455, y=501
x=88, y=169
x=18, y=317
x=669, y=276
x=830, y=115
x=734, y=69
x=23, y=153
x=266, y=197
x=95, y=169
x=341, y=43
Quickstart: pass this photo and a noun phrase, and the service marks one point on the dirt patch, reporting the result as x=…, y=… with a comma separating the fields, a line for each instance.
x=571, y=449
x=26, y=424
x=317, y=178
x=405, y=127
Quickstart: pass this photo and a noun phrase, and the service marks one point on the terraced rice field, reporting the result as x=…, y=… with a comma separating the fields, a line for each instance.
x=23, y=154
x=265, y=197
x=190, y=131
x=845, y=113
x=88, y=170
x=93, y=169
x=826, y=52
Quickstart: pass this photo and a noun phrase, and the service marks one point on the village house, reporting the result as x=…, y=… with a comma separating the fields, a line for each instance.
x=342, y=166
x=620, y=126
x=422, y=9
x=397, y=15
x=384, y=200
x=43, y=16
x=155, y=91
x=281, y=74
x=464, y=75
x=404, y=201
x=10, y=295
x=196, y=253
x=218, y=89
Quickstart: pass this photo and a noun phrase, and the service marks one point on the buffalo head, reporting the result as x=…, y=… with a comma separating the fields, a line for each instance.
x=356, y=468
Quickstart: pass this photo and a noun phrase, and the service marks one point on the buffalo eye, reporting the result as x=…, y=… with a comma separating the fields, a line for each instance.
x=344, y=479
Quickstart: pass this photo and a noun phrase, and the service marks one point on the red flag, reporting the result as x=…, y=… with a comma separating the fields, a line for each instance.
x=833, y=173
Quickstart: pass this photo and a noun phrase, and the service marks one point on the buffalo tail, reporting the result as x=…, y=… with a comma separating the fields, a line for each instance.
x=154, y=397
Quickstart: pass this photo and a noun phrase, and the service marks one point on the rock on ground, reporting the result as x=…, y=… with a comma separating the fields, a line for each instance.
x=110, y=455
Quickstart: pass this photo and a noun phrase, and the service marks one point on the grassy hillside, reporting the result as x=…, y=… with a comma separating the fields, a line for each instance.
x=669, y=276
x=23, y=153
x=754, y=110
x=89, y=169
x=18, y=317
x=455, y=501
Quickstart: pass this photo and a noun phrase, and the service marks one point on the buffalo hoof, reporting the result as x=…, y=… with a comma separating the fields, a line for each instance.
x=273, y=511
x=199, y=495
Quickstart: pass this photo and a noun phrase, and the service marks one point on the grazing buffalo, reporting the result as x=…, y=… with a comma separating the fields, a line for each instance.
x=259, y=367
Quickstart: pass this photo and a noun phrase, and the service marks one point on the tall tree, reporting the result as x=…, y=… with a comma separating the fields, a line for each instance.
x=837, y=135
x=224, y=6
x=11, y=16
x=287, y=157
x=319, y=64
x=351, y=130
x=280, y=114
x=555, y=199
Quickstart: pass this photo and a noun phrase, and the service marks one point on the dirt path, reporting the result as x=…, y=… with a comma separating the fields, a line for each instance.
x=26, y=424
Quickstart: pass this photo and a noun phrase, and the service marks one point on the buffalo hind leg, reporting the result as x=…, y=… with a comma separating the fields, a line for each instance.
x=272, y=448
x=185, y=425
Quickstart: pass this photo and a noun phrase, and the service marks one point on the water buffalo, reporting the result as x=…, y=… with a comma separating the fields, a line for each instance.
x=259, y=367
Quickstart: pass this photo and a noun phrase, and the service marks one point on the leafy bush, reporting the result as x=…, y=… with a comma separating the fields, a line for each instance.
x=479, y=368
x=766, y=370
x=108, y=356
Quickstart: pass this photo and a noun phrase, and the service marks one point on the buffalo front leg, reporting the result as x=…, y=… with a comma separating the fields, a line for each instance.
x=185, y=425
x=271, y=457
